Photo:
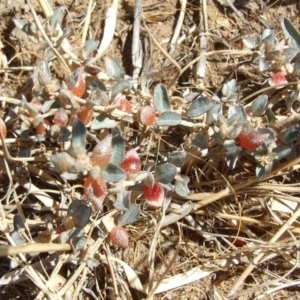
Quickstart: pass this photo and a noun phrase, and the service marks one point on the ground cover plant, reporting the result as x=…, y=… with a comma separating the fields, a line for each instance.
x=149, y=150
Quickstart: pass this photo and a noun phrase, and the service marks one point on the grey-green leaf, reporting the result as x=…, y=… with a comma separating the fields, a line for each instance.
x=291, y=31
x=272, y=135
x=181, y=186
x=64, y=134
x=130, y=216
x=118, y=150
x=113, y=68
x=291, y=134
x=119, y=87
x=47, y=105
x=66, y=33
x=161, y=98
x=200, y=141
x=90, y=46
x=212, y=114
x=262, y=171
x=249, y=43
x=97, y=84
x=54, y=19
x=17, y=238
x=232, y=156
x=237, y=109
x=78, y=243
x=229, y=88
x=282, y=151
x=168, y=118
x=199, y=106
x=176, y=158
x=18, y=222
x=264, y=65
x=73, y=207
x=21, y=24
x=165, y=173
x=122, y=201
x=82, y=215
x=78, y=138
x=259, y=105
x=113, y=173
x=290, y=53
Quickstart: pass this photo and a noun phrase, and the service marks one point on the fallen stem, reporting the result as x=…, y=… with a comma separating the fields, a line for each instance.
x=109, y=29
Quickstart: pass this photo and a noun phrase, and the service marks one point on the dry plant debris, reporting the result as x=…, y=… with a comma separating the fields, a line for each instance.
x=149, y=150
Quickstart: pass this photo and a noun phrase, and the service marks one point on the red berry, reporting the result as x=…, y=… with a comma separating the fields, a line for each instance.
x=252, y=140
x=131, y=163
x=123, y=104
x=95, y=191
x=3, y=128
x=85, y=115
x=119, y=237
x=238, y=242
x=102, y=152
x=61, y=118
x=154, y=196
x=278, y=78
x=147, y=115
x=76, y=83
x=43, y=127
x=94, y=71
x=60, y=229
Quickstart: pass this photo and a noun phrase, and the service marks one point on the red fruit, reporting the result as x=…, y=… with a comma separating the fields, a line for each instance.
x=131, y=163
x=154, y=196
x=95, y=191
x=238, y=242
x=119, y=237
x=3, y=128
x=85, y=115
x=61, y=118
x=43, y=127
x=94, y=71
x=252, y=140
x=278, y=78
x=123, y=104
x=76, y=83
x=147, y=115
x=60, y=229
x=102, y=152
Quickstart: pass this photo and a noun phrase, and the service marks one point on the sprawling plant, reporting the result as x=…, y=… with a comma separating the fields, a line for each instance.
x=87, y=119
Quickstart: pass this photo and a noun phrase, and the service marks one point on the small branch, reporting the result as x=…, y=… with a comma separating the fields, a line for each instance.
x=201, y=67
x=109, y=29
x=33, y=248
x=178, y=27
x=137, y=50
x=87, y=22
